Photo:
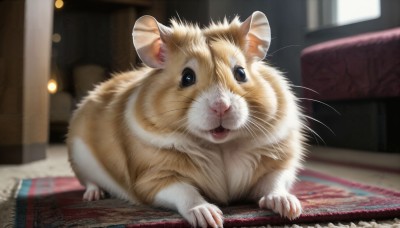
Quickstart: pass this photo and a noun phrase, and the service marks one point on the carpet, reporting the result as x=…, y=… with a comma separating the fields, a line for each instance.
x=57, y=202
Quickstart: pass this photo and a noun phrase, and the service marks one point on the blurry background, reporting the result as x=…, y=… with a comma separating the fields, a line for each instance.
x=53, y=51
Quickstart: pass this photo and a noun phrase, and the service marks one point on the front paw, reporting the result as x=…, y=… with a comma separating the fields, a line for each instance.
x=286, y=204
x=93, y=193
x=204, y=215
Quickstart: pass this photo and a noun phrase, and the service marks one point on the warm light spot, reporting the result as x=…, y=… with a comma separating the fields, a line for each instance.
x=59, y=4
x=56, y=38
x=52, y=86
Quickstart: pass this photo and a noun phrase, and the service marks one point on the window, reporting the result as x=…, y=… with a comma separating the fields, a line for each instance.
x=327, y=13
x=351, y=11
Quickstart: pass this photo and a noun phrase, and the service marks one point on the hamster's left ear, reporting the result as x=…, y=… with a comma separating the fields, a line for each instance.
x=258, y=35
x=149, y=40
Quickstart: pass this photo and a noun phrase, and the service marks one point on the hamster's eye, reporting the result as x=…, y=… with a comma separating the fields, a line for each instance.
x=188, y=77
x=240, y=74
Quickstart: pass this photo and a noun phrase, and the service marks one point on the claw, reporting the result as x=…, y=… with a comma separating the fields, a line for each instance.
x=205, y=215
x=93, y=193
x=285, y=204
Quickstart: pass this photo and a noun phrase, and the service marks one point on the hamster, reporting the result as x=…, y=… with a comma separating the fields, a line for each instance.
x=204, y=123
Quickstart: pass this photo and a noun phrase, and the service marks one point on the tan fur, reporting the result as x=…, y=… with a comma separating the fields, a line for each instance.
x=142, y=169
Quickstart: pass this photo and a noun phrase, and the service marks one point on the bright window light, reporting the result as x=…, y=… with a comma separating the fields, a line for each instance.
x=351, y=11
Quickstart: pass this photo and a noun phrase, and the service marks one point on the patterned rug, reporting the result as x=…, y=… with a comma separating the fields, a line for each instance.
x=57, y=202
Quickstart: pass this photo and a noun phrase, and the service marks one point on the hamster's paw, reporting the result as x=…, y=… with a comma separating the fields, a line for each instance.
x=204, y=215
x=93, y=192
x=286, y=204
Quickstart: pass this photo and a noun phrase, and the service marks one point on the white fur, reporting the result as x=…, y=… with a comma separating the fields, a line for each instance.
x=239, y=166
x=238, y=163
x=93, y=173
x=173, y=140
x=274, y=192
x=161, y=141
x=205, y=155
x=284, y=203
x=277, y=181
x=93, y=192
x=190, y=204
x=201, y=118
x=239, y=169
x=289, y=123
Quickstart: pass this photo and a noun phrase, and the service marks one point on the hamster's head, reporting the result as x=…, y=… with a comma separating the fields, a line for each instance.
x=208, y=83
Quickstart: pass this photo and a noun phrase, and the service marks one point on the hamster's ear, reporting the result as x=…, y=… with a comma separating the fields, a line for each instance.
x=258, y=35
x=148, y=39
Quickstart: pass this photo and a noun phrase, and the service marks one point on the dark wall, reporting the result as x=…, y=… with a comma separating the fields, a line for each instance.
x=83, y=32
x=190, y=10
x=93, y=33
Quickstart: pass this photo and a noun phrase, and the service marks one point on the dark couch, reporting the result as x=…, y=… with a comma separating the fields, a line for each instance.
x=360, y=77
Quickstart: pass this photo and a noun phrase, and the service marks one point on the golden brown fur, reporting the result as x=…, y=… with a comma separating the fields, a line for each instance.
x=161, y=108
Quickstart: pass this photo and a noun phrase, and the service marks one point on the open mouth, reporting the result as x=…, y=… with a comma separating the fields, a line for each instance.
x=219, y=132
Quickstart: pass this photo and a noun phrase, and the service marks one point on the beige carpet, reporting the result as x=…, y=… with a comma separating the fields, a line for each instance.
x=56, y=164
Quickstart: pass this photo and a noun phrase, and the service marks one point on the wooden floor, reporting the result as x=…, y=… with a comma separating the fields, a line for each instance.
x=373, y=168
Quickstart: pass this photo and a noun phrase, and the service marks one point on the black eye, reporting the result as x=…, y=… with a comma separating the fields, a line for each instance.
x=188, y=77
x=240, y=74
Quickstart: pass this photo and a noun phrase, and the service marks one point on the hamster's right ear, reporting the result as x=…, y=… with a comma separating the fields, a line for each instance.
x=149, y=41
x=258, y=35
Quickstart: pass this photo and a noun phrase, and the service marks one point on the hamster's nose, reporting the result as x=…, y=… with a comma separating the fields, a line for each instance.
x=220, y=107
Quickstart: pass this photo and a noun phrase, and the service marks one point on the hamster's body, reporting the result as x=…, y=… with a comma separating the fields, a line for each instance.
x=210, y=123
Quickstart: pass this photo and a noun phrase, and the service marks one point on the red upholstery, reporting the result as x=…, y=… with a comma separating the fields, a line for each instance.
x=362, y=66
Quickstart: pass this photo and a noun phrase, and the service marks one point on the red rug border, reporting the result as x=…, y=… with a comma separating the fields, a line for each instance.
x=349, y=183
x=316, y=218
x=275, y=220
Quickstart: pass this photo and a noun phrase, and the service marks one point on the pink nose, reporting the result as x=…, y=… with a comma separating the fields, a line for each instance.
x=220, y=108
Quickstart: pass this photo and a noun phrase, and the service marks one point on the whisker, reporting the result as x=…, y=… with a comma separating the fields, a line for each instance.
x=252, y=133
x=306, y=134
x=268, y=137
x=185, y=131
x=309, y=117
x=263, y=113
x=267, y=134
x=302, y=98
x=256, y=125
x=178, y=128
x=280, y=49
x=306, y=88
x=315, y=133
x=262, y=121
